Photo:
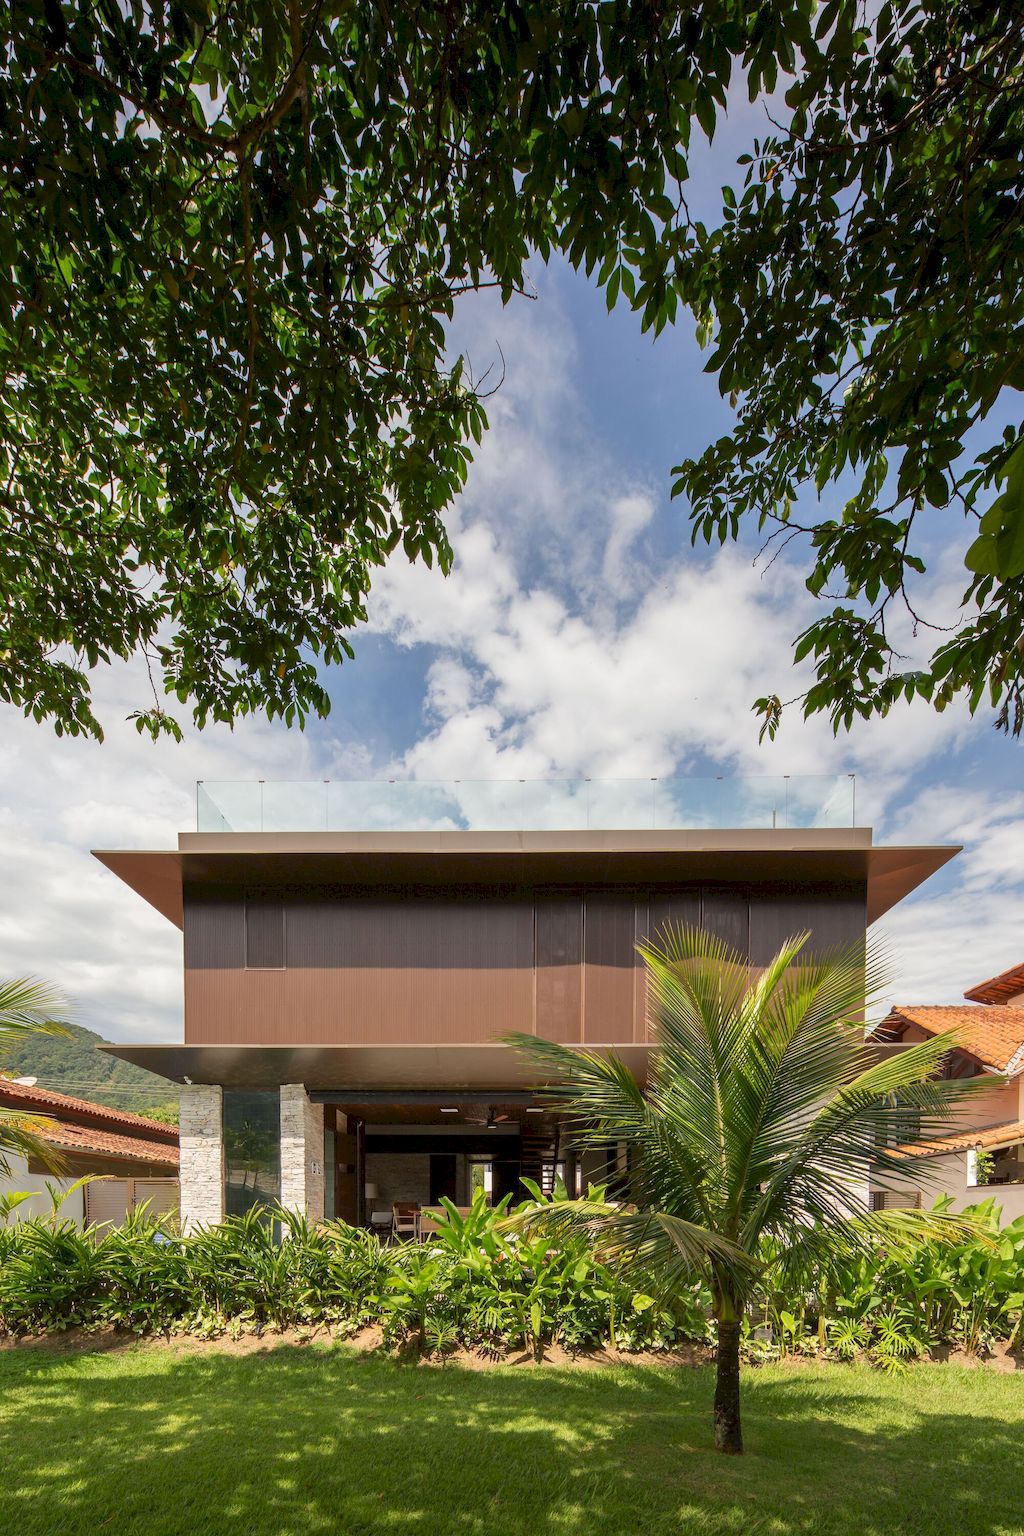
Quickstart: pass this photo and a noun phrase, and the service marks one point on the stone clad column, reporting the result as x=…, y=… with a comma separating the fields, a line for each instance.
x=201, y=1168
x=302, y=1153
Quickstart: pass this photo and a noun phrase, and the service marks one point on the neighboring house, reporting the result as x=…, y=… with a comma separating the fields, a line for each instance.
x=989, y=1040
x=138, y=1157
x=347, y=991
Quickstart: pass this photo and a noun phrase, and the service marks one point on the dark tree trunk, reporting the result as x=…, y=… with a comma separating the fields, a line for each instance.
x=728, y=1435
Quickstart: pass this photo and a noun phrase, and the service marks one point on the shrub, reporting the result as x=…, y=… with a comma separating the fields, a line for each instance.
x=473, y=1284
x=480, y=1285
x=895, y=1302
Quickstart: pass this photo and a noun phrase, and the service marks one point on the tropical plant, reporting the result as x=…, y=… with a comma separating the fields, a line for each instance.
x=477, y=1283
x=28, y=1006
x=964, y=1290
x=763, y=1111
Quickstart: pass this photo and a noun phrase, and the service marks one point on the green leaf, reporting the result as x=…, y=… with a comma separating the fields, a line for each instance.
x=983, y=556
x=1010, y=545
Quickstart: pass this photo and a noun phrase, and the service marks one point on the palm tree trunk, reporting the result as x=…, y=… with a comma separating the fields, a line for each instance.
x=728, y=1435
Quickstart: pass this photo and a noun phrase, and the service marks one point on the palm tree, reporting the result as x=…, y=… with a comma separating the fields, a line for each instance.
x=762, y=1114
x=27, y=1006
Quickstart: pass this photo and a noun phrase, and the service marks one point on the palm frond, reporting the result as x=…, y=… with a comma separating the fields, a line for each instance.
x=867, y=1118
x=603, y=1104
x=20, y=1135
x=764, y=1112
x=652, y=1240
x=902, y=1230
x=588, y=1088
x=29, y=1006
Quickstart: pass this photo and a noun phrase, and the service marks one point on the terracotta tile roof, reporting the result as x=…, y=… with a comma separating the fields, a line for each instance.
x=999, y=989
x=963, y=1141
x=47, y=1101
x=993, y=1034
x=87, y=1139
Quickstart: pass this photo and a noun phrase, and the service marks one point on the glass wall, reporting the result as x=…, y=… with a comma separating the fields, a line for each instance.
x=252, y=1149
x=330, y=1166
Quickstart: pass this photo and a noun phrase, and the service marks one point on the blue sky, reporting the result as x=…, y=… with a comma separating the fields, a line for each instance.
x=578, y=634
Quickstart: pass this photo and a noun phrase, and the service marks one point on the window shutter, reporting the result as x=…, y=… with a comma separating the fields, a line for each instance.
x=264, y=934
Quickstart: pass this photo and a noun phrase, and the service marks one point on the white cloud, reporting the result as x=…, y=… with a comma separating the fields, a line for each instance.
x=577, y=686
x=451, y=688
x=566, y=642
x=973, y=926
x=629, y=516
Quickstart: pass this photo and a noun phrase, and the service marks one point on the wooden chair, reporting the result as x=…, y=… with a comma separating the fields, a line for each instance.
x=406, y=1219
x=430, y=1215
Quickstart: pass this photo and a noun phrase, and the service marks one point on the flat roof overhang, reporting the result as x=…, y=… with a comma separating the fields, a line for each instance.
x=348, y=1070
x=816, y=857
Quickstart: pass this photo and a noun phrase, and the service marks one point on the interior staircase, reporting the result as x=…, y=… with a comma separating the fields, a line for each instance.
x=538, y=1153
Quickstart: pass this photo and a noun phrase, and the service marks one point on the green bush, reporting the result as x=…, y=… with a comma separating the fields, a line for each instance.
x=896, y=1302
x=480, y=1285
x=472, y=1284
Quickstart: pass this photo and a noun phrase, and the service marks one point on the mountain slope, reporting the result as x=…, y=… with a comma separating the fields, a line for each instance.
x=73, y=1064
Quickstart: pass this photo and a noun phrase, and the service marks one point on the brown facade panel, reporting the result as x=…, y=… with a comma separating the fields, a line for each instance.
x=726, y=914
x=834, y=920
x=214, y=933
x=609, y=968
x=559, y=968
x=371, y=970
x=368, y=933
x=374, y=971
x=641, y=931
x=323, y=1007
x=670, y=911
x=264, y=934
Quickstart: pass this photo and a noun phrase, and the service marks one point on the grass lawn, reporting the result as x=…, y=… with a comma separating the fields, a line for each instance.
x=313, y=1439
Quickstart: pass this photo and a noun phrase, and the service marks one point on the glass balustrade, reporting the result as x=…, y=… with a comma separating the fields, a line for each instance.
x=525, y=805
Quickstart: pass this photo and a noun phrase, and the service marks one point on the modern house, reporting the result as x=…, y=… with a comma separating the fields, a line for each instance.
x=986, y=1157
x=136, y=1158
x=354, y=955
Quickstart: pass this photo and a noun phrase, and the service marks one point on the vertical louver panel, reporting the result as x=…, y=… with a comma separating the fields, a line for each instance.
x=264, y=934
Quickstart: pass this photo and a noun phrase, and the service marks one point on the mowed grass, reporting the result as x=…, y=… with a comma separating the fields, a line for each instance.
x=301, y=1440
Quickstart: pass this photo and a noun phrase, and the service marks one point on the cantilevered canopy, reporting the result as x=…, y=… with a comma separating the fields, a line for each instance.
x=343, y=1068
x=825, y=857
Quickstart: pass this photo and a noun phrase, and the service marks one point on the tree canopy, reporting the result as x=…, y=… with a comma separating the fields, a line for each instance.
x=233, y=233
x=864, y=297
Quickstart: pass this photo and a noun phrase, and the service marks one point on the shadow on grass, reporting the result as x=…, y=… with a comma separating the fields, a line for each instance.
x=309, y=1440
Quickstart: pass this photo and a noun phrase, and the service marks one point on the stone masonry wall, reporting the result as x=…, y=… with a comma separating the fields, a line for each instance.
x=302, y=1152
x=398, y=1176
x=201, y=1157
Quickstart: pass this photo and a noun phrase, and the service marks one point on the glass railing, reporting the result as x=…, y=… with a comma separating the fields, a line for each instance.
x=523, y=805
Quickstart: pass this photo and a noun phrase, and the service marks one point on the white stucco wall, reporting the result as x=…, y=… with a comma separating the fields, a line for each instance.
x=19, y=1179
x=950, y=1176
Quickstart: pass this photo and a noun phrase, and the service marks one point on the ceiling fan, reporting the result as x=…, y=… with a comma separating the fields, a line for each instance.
x=489, y=1119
